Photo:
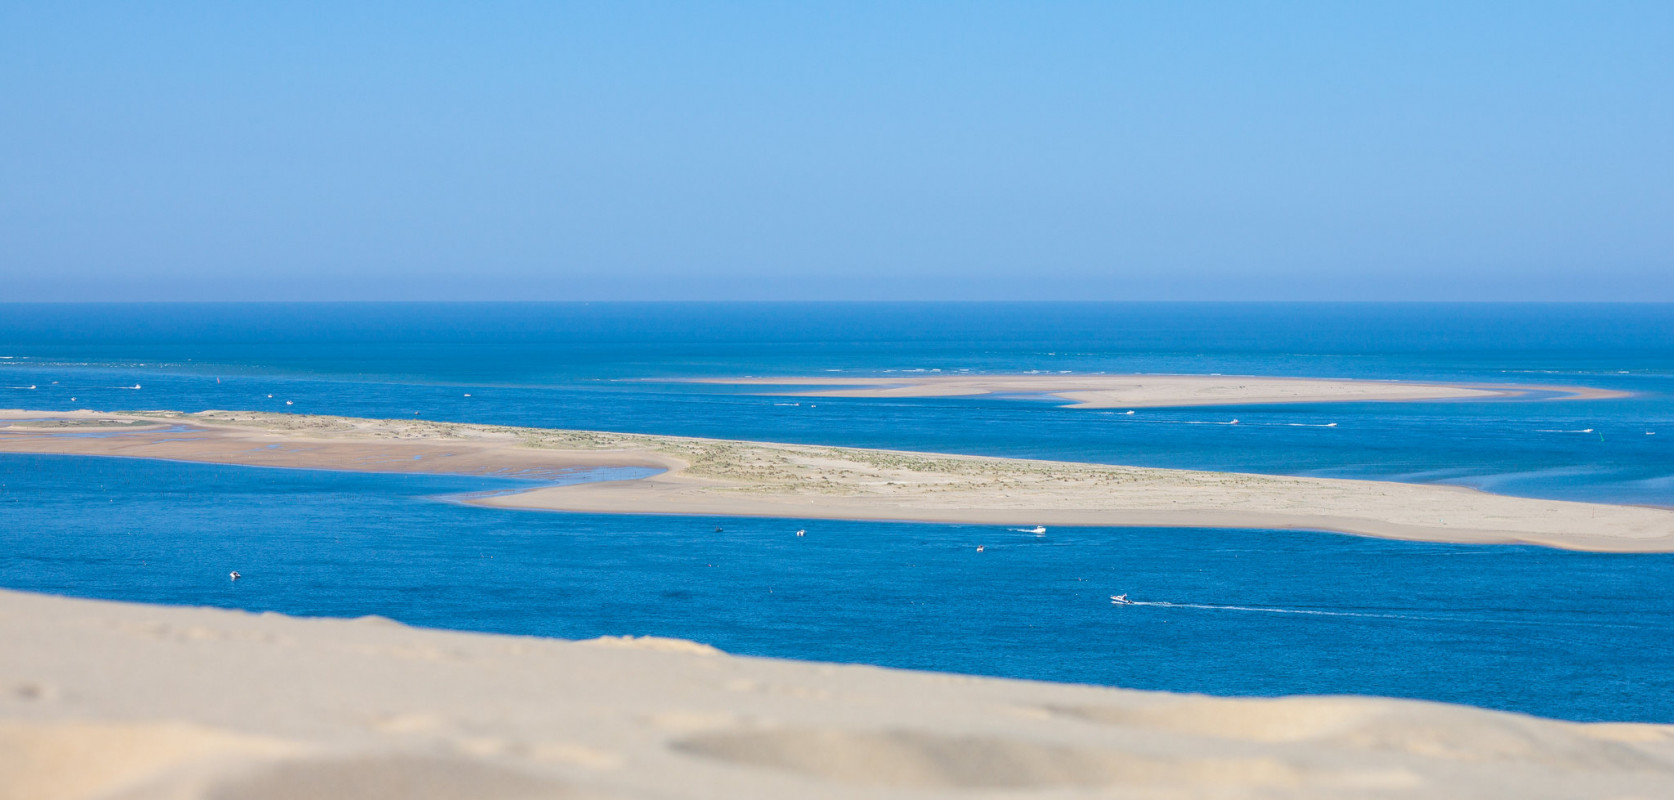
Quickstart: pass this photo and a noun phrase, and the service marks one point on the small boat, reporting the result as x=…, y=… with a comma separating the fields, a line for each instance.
x=1120, y=600
x=979, y=548
x=802, y=533
x=1037, y=530
x=234, y=575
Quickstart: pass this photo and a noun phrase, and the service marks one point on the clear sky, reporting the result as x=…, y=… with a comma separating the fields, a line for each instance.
x=799, y=150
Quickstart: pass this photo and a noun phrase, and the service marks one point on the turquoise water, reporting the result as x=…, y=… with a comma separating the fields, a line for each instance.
x=1581, y=636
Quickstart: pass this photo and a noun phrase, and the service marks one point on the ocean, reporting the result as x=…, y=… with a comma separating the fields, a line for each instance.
x=1235, y=612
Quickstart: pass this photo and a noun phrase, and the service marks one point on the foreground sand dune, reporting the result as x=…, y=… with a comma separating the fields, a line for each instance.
x=1148, y=391
x=136, y=702
x=711, y=476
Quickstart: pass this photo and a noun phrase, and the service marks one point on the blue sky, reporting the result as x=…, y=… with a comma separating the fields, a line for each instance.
x=958, y=150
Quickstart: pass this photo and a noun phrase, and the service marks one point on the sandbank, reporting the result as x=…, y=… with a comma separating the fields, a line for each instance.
x=733, y=478
x=1150, y=391
x=120, y=701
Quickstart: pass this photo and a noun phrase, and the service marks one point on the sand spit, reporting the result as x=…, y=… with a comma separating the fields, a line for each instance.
x=122, y=701
x=731, y=478
x=1147, y=391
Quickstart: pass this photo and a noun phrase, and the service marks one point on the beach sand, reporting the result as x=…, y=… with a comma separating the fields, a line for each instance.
x=1146, y=391
x=719, y=477
x=138, y=702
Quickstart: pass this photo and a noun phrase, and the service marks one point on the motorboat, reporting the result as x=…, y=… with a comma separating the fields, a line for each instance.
x=1037, y=530
x=1120, y=600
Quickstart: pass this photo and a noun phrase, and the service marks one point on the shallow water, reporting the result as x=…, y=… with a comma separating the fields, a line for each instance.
x=1582, y=636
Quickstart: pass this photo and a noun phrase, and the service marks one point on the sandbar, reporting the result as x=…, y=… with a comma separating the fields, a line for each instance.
x=1151, y=391
x=734, y=478
x=119, y=701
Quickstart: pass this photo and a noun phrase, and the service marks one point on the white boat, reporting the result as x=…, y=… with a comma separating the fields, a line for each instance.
x=1037, y=530
x=1120, y=600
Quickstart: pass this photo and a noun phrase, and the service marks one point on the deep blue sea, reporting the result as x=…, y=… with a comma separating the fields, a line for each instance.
x=1573, y=635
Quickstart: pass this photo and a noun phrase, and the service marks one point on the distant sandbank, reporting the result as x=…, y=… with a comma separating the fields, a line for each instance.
x=119, y=701
x=732, y=478
x=1150, y=391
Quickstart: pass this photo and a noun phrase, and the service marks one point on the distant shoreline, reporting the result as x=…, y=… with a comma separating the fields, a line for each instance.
x=1103, y=391
x=761, y=479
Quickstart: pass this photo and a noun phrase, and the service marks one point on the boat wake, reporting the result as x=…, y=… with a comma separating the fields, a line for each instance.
x=1268, y=610
x=1121, y=600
